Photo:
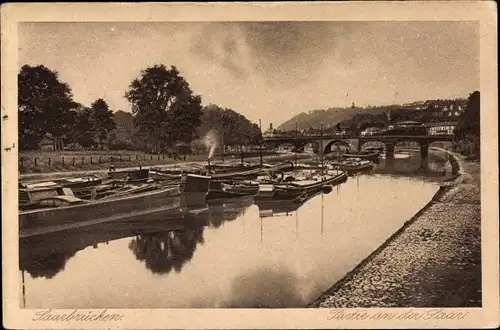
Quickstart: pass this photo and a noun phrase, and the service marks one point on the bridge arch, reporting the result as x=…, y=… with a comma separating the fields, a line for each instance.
x=328, y=147
x=371, y=144
x=362, y=142
x=314, y=145
x=408, y=143
x=441, y=144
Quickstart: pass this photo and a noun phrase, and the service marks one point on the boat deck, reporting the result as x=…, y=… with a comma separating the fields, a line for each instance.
x=305, y=182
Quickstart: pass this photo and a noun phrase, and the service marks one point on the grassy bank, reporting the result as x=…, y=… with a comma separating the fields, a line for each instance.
x=433, y=261
x=89, y=160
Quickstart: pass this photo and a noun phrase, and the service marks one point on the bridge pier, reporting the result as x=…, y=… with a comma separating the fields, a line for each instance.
x=424, y=156
x=321, y=152
x=389, y=150
x=389, y=164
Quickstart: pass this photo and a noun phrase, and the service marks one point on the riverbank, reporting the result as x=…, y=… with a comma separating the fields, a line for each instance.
x=102, y=169
x=433, y=261
x=46, y=161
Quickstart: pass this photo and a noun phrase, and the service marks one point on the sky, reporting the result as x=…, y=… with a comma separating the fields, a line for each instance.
x=264, y=70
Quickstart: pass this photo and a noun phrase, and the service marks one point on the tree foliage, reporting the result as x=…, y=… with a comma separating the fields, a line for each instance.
x=469, y=123
x=102, y=120
x=468, y=130
x=234, y=128
x=83, y=131
x=45, y=105
x=165, y=109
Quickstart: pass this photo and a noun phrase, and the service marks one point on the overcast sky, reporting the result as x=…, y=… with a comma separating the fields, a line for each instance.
x=263, y=70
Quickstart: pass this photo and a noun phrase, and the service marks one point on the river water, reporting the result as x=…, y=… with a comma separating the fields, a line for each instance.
x=234, y=255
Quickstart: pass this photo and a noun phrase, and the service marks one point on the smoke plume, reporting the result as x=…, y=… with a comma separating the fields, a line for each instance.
x=210, y=141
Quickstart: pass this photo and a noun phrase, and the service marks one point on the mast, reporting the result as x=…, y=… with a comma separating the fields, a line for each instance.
x=261, y=138
x=322, y=213
x=241, y=150
x=297, y=223
x=261, y=230
x=321, y=145
x=222, y=142
x=24, y=290
x=296, y=142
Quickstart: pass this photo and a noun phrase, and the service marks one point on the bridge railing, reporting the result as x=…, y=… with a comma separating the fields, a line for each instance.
x=353, y=136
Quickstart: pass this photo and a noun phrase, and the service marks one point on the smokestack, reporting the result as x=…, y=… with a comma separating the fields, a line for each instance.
x=208, y=164
x=271, y=127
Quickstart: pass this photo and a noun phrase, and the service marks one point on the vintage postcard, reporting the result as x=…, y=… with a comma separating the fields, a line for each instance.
x=250, y=165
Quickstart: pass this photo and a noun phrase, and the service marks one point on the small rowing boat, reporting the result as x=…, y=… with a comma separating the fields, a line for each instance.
x=367, y=155
x=355, y=165
x=221, y=190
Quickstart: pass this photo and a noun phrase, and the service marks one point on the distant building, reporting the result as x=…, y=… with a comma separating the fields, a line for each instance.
x=286, y=147
x=269, y=132
x=444, y=113
x=370, y=131
x=441, y=128
x=182, y=148
x=46, y=144
x=407, y=123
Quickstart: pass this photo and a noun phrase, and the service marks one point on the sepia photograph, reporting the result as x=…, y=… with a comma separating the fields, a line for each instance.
x=326, y=165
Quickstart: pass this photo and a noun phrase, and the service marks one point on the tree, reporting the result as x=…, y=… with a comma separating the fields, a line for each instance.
x=102, y=120
x=165, y=251
x=255, y=136
x=234, y=128
x=165, y=109
x=83, y=131
x=45, y=105
x=468, y=130
x=469, y=123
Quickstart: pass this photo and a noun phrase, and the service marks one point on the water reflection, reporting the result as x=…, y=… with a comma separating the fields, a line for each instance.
x=227, y=210
x=163, y=252
x=46, y=266
x=411, y=166
x=167, y=251
x=163, y=241
x=277, y=288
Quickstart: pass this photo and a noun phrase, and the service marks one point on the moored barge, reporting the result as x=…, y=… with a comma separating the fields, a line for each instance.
x=150, y=198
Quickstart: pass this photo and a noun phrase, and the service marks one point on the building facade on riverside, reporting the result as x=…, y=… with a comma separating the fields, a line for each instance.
x=445, y=113
x=441, y=128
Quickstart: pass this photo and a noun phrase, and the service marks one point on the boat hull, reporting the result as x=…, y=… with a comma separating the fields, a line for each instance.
x=220, y=190
x=238, y=175
x=374, y=157
x=293, y=192
x=100, y=211
x=219, y=194
x=356, y=169
x=139, y=175
x=191, y=192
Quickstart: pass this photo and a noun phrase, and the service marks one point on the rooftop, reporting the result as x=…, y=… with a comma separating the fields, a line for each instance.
x=442, y=123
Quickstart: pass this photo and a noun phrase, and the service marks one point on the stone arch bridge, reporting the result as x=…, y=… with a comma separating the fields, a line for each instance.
x=324, y=142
